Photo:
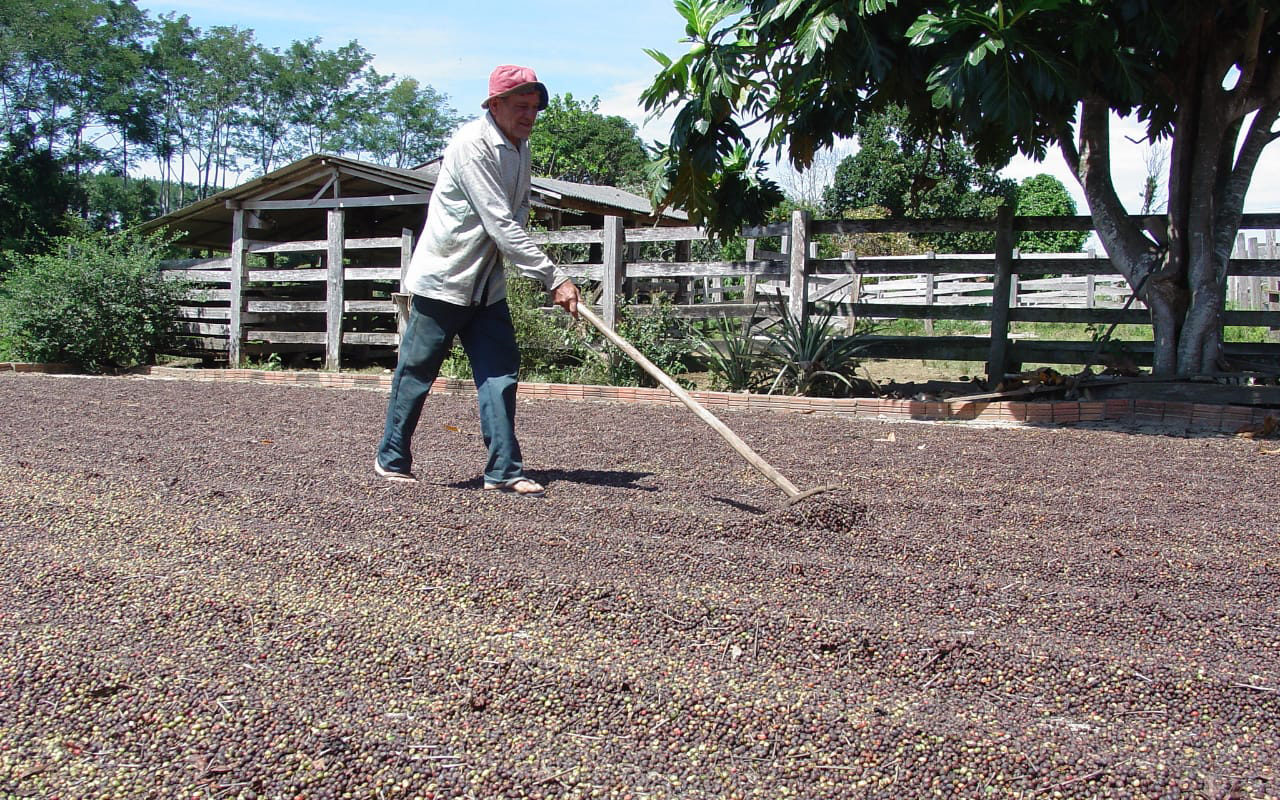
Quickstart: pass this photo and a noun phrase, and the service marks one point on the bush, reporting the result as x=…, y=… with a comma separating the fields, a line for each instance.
x=663, y=338
x=549, y=350
x=95, y=301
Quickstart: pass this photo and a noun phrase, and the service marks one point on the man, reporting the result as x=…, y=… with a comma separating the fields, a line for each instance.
x=457, y=286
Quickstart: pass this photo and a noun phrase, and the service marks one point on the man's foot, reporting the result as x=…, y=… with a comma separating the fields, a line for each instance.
x=396, y=477
x=524, y=486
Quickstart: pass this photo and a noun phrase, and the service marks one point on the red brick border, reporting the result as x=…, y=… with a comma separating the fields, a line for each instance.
x=1198, y=416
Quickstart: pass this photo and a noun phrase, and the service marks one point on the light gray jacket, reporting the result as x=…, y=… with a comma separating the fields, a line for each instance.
x=475, y=218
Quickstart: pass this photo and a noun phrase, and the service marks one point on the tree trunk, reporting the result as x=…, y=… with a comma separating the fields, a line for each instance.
x=1179, y=267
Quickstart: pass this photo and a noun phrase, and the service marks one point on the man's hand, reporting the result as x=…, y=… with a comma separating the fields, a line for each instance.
x=566, y=296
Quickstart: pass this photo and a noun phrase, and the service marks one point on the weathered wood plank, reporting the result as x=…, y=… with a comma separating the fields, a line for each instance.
x=613, y=253
x=288, y=337
x=567, y=237
x=300, y=246
x=372, y=273
x=358, y=337
x=235, y=295
x=198, y=275
x=370, y=307
x=203, y=328
x=665, y=269
x=334, y=290
x=686, y=234
x=301, y=275
x=798, y=284
x=328, y=203
x=287, y=306
x=1001, y=296
x=203, y=312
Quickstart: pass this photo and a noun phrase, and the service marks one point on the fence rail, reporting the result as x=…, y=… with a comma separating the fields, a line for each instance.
x=346, y=295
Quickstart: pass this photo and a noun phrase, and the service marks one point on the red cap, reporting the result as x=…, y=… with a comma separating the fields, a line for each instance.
x=510, y=79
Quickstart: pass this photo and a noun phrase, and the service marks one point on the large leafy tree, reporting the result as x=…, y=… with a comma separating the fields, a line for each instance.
x=334, y=90
x=214, y=102
x=936, y=177
x=1045, y=196
x=409, y=124
x=573, y=141
x=1009, y=76
x=71, y=79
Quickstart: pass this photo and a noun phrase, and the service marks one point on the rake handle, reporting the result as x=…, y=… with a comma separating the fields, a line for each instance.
x=743, y=449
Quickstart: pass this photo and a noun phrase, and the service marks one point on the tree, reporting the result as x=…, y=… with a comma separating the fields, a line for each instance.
x=264, y=133
x=937, y=177
x=335, y=89
x=1013, y=76
x=37, y=191
x=573, y=141
x=213, y=101
x=407, y=125
x=171, y=69
x=806, y=187
x=70, y=70
x=1044, y=196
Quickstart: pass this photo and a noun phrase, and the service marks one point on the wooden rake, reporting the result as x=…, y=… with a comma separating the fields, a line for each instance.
x=794, y=495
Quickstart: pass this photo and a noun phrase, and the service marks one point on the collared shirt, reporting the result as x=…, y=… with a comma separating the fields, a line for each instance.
x=475, y=218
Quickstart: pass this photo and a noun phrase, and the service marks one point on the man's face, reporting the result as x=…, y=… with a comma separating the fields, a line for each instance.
x=516, y=113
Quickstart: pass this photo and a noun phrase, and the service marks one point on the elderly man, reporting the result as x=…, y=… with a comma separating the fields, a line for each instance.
x=457, y=284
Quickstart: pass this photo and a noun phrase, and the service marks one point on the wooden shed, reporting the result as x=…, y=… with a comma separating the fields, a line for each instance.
x=309, y=258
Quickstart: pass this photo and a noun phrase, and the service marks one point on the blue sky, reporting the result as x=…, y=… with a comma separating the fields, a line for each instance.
x=582, y=47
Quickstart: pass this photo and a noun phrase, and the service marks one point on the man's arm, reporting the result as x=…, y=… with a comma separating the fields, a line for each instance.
x=482, y=185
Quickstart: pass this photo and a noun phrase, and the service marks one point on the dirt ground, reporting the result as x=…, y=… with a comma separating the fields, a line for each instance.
x=207, y=593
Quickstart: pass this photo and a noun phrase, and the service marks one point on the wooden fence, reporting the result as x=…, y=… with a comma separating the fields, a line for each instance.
x=343, y=295
x=347, y=295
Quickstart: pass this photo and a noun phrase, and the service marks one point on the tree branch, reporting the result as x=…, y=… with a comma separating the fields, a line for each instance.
x=1230, y=200
x=1119, y=234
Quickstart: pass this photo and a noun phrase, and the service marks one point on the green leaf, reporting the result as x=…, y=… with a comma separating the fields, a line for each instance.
x=926, y=30
x=817, y=34
x=661, y=58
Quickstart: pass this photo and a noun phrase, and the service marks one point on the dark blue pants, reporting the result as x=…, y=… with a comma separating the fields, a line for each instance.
x=489, y=339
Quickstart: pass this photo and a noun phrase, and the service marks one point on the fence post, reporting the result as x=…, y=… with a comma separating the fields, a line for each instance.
x=798, y=301
x=1253, y=283
x=998, y=362
x=235, y=325
x=749, y=282
x=684, y=284
x=749, y=290
x=401, y=298
x=855, y=291
x=613, y=270
x=334, y=296
x=1275, y=282
x=930, y=286
x=1234, y=288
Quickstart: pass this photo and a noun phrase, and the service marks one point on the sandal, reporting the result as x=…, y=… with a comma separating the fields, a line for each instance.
x=523, y=486
x=395, y=477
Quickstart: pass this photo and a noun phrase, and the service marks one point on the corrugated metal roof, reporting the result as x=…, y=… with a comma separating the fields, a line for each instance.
x=551, y=190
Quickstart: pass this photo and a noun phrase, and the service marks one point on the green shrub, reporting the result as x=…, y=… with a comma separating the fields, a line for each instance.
x=549, y=350
x=95, y=301
x=653, y=329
